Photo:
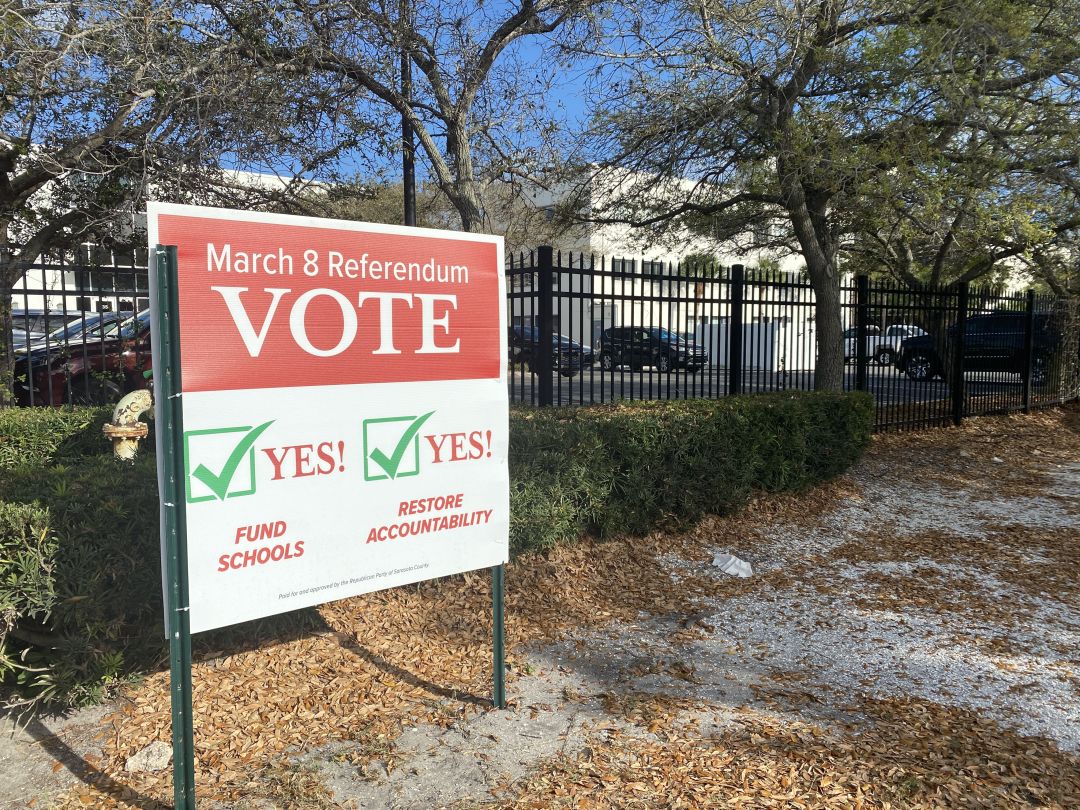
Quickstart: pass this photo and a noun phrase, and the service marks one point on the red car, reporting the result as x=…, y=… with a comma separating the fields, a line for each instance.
x=98, y=368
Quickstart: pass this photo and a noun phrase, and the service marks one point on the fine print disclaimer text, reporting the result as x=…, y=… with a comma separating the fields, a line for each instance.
x=353, y=581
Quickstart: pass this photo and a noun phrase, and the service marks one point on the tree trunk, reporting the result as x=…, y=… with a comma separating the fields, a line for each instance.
x=467, y=203
x=809, y=221
x=8, y=278
x=461, y=188
x=829, y=373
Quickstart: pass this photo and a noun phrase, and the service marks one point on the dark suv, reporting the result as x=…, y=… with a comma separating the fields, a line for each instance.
x=992, y=342
x=568, y=357
x=640, y=346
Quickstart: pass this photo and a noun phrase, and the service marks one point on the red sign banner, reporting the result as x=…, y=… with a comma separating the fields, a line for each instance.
x=298, y=305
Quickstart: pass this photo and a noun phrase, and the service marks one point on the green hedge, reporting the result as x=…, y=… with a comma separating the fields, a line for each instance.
x=629, y=468
x=50, y=435
x=103, y=575
x=28, y=550
x=80, y=596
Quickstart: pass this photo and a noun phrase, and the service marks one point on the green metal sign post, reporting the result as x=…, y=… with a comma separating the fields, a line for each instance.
x=167, y=389
x=498, y=642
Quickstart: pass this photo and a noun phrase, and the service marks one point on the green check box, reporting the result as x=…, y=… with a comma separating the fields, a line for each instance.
x=219, y=463
x=392, y=447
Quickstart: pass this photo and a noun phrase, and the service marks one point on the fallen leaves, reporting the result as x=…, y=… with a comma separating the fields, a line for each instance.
x=907, y=753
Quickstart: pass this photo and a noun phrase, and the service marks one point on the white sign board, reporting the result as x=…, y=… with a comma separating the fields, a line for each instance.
x=345, y=407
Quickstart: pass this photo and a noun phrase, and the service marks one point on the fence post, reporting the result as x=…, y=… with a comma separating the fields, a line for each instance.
x=545, y=290
x=957, y=381
x=862, y=316
x=735, y=332
x=7, y=382
x=1029, y=348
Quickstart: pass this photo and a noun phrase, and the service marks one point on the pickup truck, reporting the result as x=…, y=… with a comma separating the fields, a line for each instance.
x=881, y=348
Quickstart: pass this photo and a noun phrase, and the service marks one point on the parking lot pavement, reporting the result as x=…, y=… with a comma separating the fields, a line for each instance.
x=889, y=386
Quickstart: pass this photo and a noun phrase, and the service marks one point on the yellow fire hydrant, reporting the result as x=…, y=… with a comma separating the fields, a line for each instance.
x=125, y=430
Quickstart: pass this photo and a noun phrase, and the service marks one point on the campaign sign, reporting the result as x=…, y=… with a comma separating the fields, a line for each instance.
x=344, y=404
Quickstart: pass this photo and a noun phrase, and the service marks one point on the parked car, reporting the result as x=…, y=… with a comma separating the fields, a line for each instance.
x=568, y=357
x=992, y=342
x=30, y=325
x=852, y=332
x=881, y=347
x=640, y=346
x=97, y=366
x=87, y=326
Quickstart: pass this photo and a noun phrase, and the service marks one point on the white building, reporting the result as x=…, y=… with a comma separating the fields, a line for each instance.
x=114, y=279
x=637, y=282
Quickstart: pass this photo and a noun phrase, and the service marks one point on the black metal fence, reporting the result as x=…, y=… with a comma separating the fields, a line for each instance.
x=624, y=329
x=75, y=330
x=619, y=329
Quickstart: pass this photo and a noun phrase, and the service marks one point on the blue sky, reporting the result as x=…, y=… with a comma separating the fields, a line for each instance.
x=566, y=104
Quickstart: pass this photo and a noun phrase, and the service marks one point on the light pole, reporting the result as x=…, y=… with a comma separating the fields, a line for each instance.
x=408, y=145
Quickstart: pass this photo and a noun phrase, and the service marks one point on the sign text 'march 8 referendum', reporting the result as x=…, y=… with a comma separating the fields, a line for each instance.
x=345, y=407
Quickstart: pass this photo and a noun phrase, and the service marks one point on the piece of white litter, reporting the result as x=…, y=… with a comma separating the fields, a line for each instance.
x=997, y=460
x=730, y=564
x=155, y=757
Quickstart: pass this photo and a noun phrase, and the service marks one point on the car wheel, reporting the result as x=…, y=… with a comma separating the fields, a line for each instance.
x=1040, y=370
x=93, y=390
x=607, y=362
x=663, y=363
x=920, y=367
x=884, y=357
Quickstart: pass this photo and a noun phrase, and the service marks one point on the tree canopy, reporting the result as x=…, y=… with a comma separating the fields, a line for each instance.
x=477, y=102
x=820, y=112
x=105, y=102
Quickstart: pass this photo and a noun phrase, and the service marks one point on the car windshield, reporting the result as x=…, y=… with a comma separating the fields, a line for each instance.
x=664, y=334
x=532, y=333
x=80, y=325
x=129, y=328
x=40, y=323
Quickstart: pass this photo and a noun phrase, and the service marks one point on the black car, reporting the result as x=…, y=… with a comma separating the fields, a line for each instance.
x=568, y=357
x=992, y=342
x=640, y=346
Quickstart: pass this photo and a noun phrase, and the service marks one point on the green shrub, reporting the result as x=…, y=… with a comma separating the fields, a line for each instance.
x=629, y=468
x=97, y=590
x=47, y=435
x=80, y=593
x=27, y=587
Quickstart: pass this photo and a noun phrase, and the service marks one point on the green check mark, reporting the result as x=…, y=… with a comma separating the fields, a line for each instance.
x=219, y=484
x=390, y=465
